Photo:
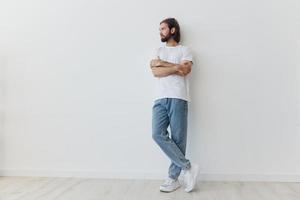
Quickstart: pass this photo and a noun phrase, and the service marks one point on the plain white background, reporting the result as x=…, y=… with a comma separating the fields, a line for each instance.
x=76, y=88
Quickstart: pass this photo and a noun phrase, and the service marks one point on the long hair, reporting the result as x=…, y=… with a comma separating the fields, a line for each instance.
x=173, y=23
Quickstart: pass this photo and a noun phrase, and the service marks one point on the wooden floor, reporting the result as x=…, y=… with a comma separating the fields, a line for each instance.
x=42, y=188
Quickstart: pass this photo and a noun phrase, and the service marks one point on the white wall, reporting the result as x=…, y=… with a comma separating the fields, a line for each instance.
x=2, y=87
x=77, y=88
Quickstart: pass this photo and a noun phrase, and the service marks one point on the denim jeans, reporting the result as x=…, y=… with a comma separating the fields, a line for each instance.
x=173, y=112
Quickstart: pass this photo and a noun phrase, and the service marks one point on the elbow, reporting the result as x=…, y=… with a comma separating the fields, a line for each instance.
x=154, y=72
x=156, y=75
x=187, y=72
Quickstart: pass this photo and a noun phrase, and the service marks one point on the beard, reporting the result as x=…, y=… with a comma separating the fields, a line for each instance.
x=166, y=38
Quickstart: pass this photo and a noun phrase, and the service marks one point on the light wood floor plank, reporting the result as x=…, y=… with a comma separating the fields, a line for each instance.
x=44, y=188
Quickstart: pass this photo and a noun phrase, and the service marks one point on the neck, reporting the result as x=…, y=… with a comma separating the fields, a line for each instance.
x=171, y=43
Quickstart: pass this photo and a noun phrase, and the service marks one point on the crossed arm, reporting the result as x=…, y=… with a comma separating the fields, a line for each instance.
x=162, y=68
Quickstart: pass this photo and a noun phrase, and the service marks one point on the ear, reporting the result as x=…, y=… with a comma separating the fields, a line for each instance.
x=172, y=30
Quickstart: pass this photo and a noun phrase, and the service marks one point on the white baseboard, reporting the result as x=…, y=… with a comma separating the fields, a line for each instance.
x=251, y=177
x=83, y=174
x=147, y=175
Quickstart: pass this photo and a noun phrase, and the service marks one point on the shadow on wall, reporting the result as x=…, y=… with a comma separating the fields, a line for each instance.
x=194, y=75
x=194, y=88
x=3, y=63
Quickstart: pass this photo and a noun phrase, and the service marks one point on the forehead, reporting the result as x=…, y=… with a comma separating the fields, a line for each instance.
x=163, y=25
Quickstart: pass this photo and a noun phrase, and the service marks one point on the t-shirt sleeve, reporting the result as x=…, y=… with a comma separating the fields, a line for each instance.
x=187, y=54
x=154, y=54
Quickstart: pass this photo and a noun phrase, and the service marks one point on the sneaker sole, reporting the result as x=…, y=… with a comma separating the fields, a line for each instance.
x=167, y=191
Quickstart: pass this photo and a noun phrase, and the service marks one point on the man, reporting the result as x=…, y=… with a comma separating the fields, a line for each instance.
x=171, y=66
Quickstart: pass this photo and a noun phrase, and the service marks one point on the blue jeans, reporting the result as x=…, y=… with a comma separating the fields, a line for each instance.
x=173, y=112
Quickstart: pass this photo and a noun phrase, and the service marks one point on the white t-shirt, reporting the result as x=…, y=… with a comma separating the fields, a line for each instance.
x=172, y=86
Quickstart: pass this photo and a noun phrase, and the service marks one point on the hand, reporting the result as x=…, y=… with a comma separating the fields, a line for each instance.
x=179, y=70
x=183, y=69
x=179, y=73
x=155, y=62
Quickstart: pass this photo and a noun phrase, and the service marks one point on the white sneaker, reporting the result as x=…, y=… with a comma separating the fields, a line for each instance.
x=190, y=177
x=169, y=185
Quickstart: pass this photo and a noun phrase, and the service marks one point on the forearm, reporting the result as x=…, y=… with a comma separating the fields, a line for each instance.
x=167, y=64
x=162, y=68
x=164, y=71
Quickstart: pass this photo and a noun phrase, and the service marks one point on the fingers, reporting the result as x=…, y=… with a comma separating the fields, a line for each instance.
x=183, y=69
x=180, y=73
x=154, y=62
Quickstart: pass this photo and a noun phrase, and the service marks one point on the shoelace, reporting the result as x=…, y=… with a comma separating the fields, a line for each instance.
x=168, y=181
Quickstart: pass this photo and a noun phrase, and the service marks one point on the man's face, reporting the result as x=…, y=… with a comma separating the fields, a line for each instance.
x=165, y=33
